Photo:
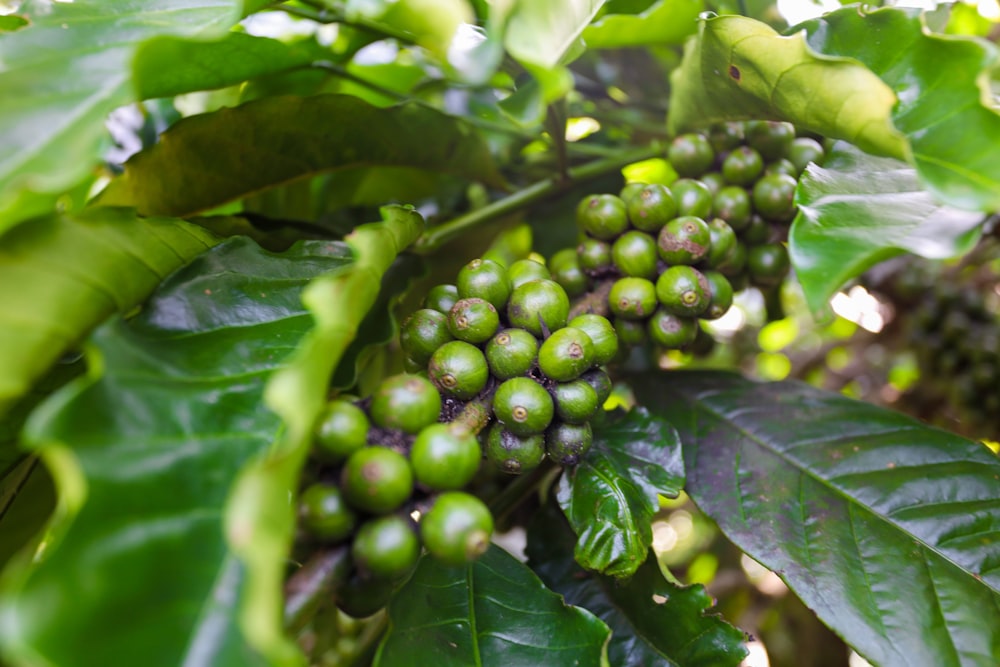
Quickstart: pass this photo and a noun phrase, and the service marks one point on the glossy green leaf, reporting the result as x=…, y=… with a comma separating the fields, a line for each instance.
x=857, y=210
x=664, y=22
x=944, y=108
x=541, y=34
x=888, y=529
x=493, y=612
x=610, y=497
x=61, y=276
x=739, y=68
x=64, y=73
x=260, y=516
x=168, y=66
x=144, y=451
x=674, y=629
x=204, y=161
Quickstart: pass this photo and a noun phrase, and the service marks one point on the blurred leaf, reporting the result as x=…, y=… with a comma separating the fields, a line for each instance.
x=432, y=23
x=857, y=210
x=740, y=68
x=207, y=160
x=492, y=612
x=888, y=529
x=670, y=631
x=944, y=107
x=260, y=516
x=168, y=66
x=144, y=451
x=64, y=73
x=665, y=22
x=12, y=22
x=27, y=499
x=540, y=34
x=611, y=495
x=61, y=276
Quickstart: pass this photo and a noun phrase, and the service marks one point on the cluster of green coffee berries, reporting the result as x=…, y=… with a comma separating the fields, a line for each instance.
x=674, y=255
x=389, y=480
x=502, y=337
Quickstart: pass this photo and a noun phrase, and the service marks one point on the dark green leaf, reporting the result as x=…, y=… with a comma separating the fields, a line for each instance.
x=493, y=612
x=611, y=496
x=670, y=630
x=857, y=210
x=888, y=529
x=144, y=451
x=664, y=22
x=27, y=499
x=64, y=73
x=944, y=104
x=60, y=276
x=168, y=66
x=204, y=161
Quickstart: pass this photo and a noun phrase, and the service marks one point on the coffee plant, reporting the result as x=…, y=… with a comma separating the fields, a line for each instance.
x=637, y=332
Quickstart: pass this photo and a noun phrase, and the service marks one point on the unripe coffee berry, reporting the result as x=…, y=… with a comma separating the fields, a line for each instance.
x=632, y=298
x=742, y=166
x=567, y=272
x=723, y=238
x=576, y=401
x=458, y=369
x=537, y=302
x=457, y=528
x=484, y=279
x=683, y=291
x=803, y=151
x=690, y=154
x=566, y=354
x=692, y=197
x=767, y=264
x=602, y=216
x=774, y=197
x=670, y=331
x=732, y=204
x=523, y=406
x=634, y=254
x=473, y=320
x=602, y=334
x=630, y=332
x=445, y=456
x=599, y=379
x=423, y=332
x=376, y=479
x=511, y=353
x=342, y=429
x=757, y=232
x=386, y=547
x=566, y=444
x=594, y=255
x=405, y=402
x=526, y=270
x=721, y=295
x=441, y=298
x=725, y=136
x=324, y=514
x=514, y=453
x=650, y=207
x=684, y=240
x=772, y=139
x=734, y=262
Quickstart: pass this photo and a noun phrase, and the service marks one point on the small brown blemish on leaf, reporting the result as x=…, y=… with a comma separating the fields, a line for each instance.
x=734, y=72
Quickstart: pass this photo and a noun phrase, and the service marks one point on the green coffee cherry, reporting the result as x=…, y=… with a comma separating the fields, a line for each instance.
x=671, y=331
x=566, y=354
x=324, y=514
x=457, y=528
x=514, y=453
x=734, y=262
x=526, y=270
x=770, y=138
x=484, y=279
x=511, y=353
x=445, y=456
x=768, y=264
x=650, y=207
x=576, y=401
x=684, y=240
x=594, y=255
x=523, y=406
x=803, y=151
x=423, y=332
x=722, y=239
x=721, y=295
x=342, y=429
x=692, y=197
x=774, y=197
x=473, y=320
x=742, y=166
x=630, y=332
x=566, y=444
x=634, y=254
x=725, y=136
x=599, y=379
x=782, y=166
x=458, y=369
x=732, y=204
x=406, y=402
x=629, y=190
x=714, y=181
x=683, y=291
x=632, y=298
x=567, y=272
x=602, y=216
x=602, y=334
x=441, y=298
x=537, y=302
x=386, y=547
x=757, y=232
x=690, y=154
x=376, y=480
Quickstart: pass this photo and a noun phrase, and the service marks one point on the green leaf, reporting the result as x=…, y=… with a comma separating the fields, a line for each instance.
x=61, y=276
x=740, y=68
x=144, y=451
x=888, y=529
x=492, y=612
x=12, y=22
x=662, y=23
x=857, y=210
x=27, y=499
x=207, y=160
x=611, y=496
x=64, y=73
x=260, y=515
x=945, y=107
x=671, y=630
x=541, y=34
x=169, y=66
